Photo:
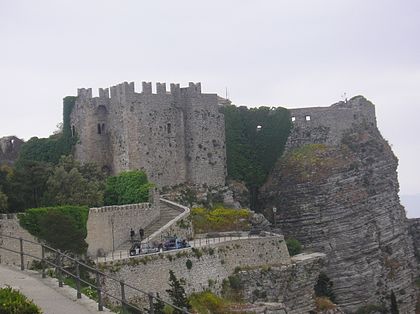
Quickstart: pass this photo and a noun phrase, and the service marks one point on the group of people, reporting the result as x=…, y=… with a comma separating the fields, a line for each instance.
x=133, y=234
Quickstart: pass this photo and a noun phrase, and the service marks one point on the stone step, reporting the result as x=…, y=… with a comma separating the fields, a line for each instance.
x=166, y=215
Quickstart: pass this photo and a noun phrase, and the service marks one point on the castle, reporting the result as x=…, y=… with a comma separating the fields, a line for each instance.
x=175, y=137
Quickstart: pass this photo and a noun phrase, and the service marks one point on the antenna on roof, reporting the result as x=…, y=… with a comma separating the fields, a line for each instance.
x=344, y=97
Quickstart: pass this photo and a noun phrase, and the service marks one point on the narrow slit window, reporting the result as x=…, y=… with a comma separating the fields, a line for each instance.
x=73, y=131
x=99, y=128
x=103, y=128
x=168, y=128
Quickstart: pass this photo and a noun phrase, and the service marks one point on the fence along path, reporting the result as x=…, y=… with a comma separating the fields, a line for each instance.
x=63, y=264
x=45, y=292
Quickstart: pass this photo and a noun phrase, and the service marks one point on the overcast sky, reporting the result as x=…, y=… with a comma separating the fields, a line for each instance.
x=279, y=53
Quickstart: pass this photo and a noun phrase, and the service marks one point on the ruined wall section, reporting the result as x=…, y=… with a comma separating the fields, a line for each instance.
x=9, y=149
x=204, y=137
x=9, y=225
x=109, y=226
x=326, y=125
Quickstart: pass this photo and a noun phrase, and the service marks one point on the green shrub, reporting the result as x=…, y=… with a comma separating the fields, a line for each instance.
x=128, y=187
x=189, y=264
x=324, y=287
x=293, y=246
x=220, y=219
x=13, y=302
x=62, y=227
x=207, y=302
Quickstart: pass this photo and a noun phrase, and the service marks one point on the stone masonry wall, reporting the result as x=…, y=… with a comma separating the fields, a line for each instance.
x=217, y=262
x=292, y=285
x=9, y=225
x=326, y=125
x=109, y=226
x=175, y=137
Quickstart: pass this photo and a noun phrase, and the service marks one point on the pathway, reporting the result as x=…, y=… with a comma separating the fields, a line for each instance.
x=45, y=292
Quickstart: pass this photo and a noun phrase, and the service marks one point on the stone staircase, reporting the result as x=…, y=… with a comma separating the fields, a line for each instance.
x=167, y=214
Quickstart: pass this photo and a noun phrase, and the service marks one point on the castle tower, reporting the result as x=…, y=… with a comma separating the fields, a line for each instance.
x=175, y=136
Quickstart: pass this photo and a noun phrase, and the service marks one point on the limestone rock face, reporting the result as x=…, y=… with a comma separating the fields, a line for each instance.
x=289, y=285
x=342, y=199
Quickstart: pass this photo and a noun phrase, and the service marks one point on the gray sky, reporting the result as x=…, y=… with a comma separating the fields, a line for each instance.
x=290, y=53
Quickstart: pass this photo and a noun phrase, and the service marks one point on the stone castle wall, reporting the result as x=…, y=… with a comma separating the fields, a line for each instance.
x=9, y=225
x=176, y=136
x=327, y=125
x=109, y=226
x=9, y=149
x=214, y=263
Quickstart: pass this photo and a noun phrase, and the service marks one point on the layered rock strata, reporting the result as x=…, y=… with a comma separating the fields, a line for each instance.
x=341, y=197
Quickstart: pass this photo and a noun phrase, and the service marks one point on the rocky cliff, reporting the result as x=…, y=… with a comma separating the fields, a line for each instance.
x=340, y=197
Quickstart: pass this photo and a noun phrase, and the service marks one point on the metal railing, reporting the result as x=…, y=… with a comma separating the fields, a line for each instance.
x=197, y=243
x=63, y=265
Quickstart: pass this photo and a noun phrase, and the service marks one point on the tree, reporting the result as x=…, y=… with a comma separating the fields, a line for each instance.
x=127, y=188
x=27, y=185
x=74, y=184
x=62, y=227
x=60, y=231
x=177, y=293
x=3, y=202
x=294, y=247
x=323, y=287
x=394, y=304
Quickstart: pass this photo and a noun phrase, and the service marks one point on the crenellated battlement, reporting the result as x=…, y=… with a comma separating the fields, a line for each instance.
x=8, y=216
x=84, y=93
x=166, y=133
x=119, y=208
x=125, y=89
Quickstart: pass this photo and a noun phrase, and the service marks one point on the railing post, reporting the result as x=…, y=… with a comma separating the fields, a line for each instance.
x=79, y=294
x=43, y=264
x=59, y=272
x=123, y=301
x=99, y=291
x=22, y=262
x=151, y=310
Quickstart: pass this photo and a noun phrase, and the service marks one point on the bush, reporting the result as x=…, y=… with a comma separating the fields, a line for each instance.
x=62, y=227
x=128, y=187
x=220, y=219
x=188, y=264
x=207, y=302
x=13, y=302
x=324, y=287
x=293, y=246
x=324, y=304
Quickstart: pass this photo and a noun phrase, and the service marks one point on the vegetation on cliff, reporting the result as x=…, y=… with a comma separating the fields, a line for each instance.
x=128, y=187
x=250, y=137
x=51, y=149
x=220, y=219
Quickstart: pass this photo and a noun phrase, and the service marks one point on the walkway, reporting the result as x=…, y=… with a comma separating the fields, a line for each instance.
x=45, y=292
x=196, y=243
